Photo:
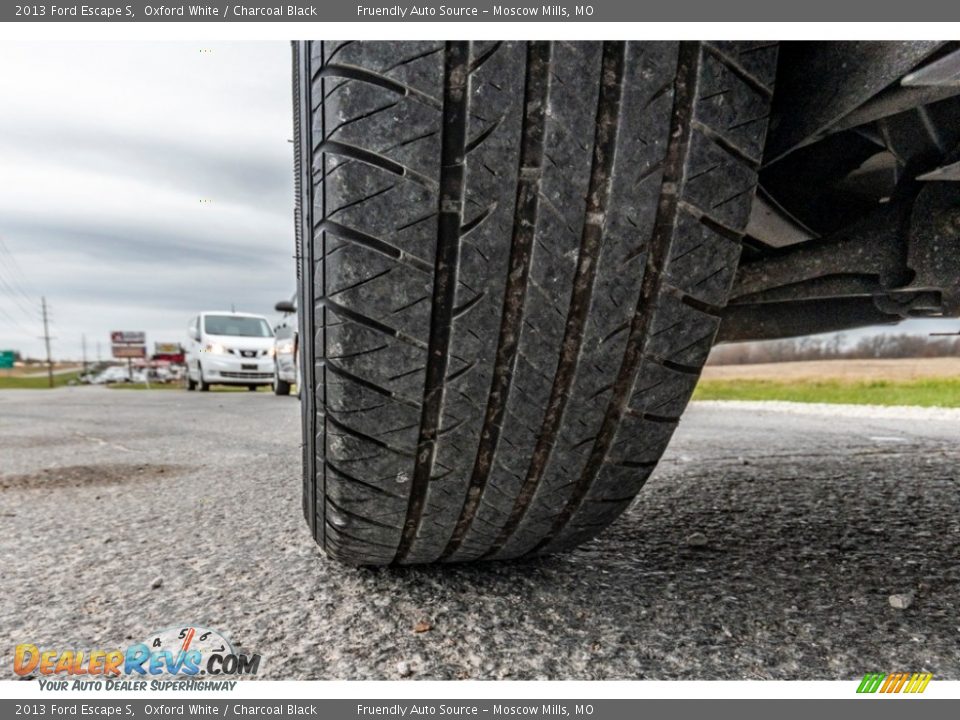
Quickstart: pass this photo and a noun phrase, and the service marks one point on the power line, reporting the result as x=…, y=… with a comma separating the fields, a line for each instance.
x=15, y=271
x=11, y=286
x=13, y=321
x=12, y=294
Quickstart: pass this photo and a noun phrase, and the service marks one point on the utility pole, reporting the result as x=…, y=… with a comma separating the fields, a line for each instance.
x=99, y=360
x=83, y=340
x=46, y=340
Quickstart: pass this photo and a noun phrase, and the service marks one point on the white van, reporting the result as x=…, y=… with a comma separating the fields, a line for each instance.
x=228, y=348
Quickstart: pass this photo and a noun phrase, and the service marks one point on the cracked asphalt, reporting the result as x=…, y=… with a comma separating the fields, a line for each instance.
x=767, y=545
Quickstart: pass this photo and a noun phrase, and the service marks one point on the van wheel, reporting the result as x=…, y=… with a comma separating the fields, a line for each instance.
x=515, y=257
x=191, y=385
x=203, y=384
x=280, y=387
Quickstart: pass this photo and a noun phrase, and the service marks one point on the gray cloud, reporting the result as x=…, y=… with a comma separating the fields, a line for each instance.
x=107, y=151
x=245, y=174
x=141, y=183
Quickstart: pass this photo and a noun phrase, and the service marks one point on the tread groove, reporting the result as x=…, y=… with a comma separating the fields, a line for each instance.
x=482, y=136
x=740, y=71
x=354, y=286
x=726, y=145
x=356, y=516
x=375, y=159
x=418, y=56
x=711, y=223
x=352, y=72
x=533, y=133
x=704, y=307
x=449, y=221
x=362, y=483
x=376, y=244
x=656, y=262
x=679, y=367
x=358, y=118
x=358, y=201
x=471, y=225
x=465, y=308
x=353, y=432
x=368, y=384
x=369, y=322
x=598, y=194
x=486, y=55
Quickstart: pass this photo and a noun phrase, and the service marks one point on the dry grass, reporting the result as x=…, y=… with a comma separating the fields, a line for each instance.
x=900, y=370
x=928, y=382
x=36, y=370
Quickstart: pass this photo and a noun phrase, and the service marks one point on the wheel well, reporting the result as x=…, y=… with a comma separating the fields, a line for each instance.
x=859, y=188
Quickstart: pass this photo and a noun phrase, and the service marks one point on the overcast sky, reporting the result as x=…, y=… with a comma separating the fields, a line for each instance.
x=106, y=152
x=141, y=183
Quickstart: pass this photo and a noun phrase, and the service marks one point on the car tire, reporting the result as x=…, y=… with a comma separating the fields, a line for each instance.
x=514, y=260
x=191, y=385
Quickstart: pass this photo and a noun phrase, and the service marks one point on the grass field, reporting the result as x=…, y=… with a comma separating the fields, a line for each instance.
x=925, y=393
x=931, y=382
x=899, y=370
x=33, y=382
x=38, y=370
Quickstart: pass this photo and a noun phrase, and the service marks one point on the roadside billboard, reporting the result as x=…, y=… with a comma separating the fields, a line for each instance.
x=128, y=344
x=129, y=351
x=128, y=337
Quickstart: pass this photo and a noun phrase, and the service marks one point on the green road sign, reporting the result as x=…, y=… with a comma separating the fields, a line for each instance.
x=6, y=359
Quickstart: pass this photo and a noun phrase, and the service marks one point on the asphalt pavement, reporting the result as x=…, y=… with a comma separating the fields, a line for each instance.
x=767, y=545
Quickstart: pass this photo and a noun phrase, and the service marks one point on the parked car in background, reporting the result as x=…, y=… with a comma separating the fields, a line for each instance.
x=286, y=365
x=228, y=348
x=116, y=374
x=165, y=373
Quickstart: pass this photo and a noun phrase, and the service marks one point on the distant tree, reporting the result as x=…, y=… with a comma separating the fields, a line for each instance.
x=835, y=347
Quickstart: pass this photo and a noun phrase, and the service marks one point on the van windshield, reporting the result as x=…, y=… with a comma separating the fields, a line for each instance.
x=236, y=325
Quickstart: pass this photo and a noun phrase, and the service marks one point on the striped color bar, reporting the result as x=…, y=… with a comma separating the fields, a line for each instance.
x=918, y=683
x=894, y=683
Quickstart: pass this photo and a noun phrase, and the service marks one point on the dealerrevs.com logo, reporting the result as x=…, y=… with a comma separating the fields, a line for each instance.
x=186, y=653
